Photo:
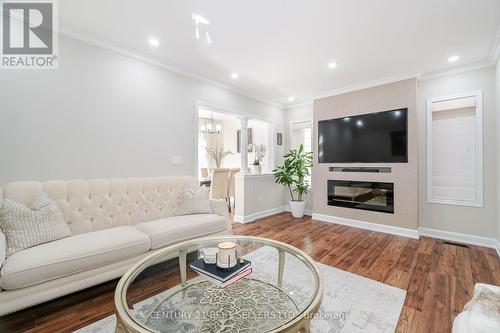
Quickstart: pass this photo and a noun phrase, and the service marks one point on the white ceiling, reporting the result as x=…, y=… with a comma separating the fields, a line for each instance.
x=281, y=48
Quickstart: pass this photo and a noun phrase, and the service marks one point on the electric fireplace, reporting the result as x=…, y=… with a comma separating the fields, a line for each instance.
x=374, y=196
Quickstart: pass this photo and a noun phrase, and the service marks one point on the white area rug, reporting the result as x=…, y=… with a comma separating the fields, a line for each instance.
x=351, y=303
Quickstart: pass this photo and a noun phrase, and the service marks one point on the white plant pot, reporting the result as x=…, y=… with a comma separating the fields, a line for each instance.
x=255, y=168
x=297, y=208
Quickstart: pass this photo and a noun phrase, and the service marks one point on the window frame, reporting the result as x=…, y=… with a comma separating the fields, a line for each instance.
x=290, y=138
x=479, y=138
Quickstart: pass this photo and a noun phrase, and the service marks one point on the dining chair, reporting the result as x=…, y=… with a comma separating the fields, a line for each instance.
x=204, y=172
x=219, y=184
x=231, y=186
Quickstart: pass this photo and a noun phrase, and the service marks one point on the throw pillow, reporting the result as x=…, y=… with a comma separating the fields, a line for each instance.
x=26, y=227
x=195, y=202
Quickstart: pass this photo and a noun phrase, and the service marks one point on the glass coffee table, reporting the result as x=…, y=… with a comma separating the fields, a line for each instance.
x=162, y=293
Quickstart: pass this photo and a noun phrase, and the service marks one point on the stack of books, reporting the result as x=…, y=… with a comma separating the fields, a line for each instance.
x=222, y=277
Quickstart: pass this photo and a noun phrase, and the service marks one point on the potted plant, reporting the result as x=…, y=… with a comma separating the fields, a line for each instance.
x=259, y=153
x=292, y=174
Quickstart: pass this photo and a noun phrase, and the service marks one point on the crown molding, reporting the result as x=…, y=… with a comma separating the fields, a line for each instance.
x=293, y=106
x=455, y=70
x=420, y=77
x=141, y=57
x=366, y=85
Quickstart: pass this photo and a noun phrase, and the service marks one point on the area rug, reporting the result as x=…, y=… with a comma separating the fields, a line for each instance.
x=351, y=303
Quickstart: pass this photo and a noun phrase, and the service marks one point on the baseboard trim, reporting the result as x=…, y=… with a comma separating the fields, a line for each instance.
x=307, y=211
x=258, y=215
x=265, y=213
x=367, y=225
x=434, y=233
x=461, y=238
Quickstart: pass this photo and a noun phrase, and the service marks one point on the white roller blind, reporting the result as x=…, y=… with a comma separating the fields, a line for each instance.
x=453, y=155
x=455, y=152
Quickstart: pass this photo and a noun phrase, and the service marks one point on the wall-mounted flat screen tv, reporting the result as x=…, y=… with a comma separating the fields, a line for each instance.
x=380, y=137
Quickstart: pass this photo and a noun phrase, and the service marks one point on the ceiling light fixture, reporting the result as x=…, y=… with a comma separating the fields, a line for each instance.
x=154, y=41
x=235, y=76
x=210, y=126
x=201, y=20
x=291, y=99
x=453, y=58
x=332, y=65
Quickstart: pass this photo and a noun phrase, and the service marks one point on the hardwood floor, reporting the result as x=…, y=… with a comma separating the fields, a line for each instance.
x=439, y=277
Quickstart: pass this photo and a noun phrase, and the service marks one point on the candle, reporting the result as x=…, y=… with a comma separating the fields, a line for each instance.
x=227, y=255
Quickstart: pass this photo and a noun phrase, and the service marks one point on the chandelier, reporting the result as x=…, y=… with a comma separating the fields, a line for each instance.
x=210, y=126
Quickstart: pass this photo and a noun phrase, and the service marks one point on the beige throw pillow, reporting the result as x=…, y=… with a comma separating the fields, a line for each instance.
x=26, y=227
x=195, y=202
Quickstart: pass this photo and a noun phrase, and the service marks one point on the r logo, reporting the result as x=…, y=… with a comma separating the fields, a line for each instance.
x=27, y=28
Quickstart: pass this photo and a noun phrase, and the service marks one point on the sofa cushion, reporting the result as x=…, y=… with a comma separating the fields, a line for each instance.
x=174, y=229
x=72, y=255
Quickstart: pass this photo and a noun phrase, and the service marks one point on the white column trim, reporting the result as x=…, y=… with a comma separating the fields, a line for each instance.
x=244, y=145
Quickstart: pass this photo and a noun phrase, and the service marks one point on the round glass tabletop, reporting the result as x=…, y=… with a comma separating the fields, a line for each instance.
x=277, y=289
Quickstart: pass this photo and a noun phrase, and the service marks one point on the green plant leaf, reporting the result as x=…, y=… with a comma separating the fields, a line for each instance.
x=294, y=171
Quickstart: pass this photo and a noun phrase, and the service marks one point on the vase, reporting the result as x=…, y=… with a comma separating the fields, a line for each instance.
x=297, y=208
x=255, y=168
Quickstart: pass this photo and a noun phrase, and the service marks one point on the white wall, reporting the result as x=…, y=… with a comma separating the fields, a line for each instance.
x=497, y=113
x=298, y=114
x=262, y=135
x=230, y=128
x=105, y=115
x=467, y=220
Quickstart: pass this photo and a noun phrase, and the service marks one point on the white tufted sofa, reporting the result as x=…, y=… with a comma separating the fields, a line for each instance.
x=114, y=222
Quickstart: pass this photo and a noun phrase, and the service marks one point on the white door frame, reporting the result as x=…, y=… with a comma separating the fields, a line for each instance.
x=238, y=114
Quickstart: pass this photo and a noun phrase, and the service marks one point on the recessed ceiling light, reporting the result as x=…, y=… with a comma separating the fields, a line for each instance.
x=154, y=41
x=235, y=76
x=332, y=65
x=453, y=58
x=291, y=99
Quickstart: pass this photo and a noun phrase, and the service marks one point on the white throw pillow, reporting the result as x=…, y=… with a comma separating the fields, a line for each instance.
x=26, y=227
x=195, y=202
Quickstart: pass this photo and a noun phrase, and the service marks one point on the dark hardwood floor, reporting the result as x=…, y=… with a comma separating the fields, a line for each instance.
x=439, y=277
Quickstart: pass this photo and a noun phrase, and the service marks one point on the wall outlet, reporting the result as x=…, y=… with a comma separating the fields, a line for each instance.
x=177, y=160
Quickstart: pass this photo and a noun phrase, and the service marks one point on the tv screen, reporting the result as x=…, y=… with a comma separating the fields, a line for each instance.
x=379, y=137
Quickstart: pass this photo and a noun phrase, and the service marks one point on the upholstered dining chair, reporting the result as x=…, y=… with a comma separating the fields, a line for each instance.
x=204, y=172
x=219, y=184
x=231, y=187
